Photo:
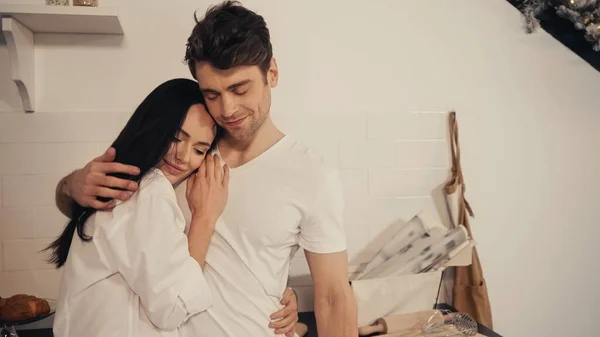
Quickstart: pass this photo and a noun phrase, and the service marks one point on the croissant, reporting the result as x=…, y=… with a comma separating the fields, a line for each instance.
x=21, y=306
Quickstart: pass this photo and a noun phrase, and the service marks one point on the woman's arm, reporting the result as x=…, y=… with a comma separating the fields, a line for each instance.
x=150, y=250
x=199, y=235
x=63, y=201
x=206, y=193
x=158, y=261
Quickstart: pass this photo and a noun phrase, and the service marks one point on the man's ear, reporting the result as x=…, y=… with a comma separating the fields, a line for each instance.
x=273, y=73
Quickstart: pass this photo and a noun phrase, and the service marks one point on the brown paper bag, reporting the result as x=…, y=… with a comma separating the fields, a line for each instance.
x=470, y=293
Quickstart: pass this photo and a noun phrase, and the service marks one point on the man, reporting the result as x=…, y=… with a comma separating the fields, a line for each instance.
x=281, y=196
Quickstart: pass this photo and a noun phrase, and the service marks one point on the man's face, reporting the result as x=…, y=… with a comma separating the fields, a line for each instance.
x=239, y=99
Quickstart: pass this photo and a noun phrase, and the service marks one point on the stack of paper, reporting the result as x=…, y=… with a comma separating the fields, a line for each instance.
x=423, y=244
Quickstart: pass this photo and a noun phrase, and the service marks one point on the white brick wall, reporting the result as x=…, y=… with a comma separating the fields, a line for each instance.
x=36, y=150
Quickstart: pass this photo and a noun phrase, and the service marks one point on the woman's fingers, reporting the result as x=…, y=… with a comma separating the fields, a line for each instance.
x=202, y=169
x=210, y=166
x=190, y=184
x=218, y=169
x=225, y=175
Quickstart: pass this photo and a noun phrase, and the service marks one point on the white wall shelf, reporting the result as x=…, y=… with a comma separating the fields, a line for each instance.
x=21, y=22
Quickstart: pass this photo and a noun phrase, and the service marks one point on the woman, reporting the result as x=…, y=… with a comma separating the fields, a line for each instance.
x=133, y=271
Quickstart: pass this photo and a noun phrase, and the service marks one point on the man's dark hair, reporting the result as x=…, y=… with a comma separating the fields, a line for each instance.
x=229, y=36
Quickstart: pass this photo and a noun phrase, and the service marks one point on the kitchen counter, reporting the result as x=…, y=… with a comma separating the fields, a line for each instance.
x=42, y=330
x=308, y=318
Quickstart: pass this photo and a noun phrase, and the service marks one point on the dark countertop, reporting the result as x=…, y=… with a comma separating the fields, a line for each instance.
x=307, y=318
x=35, y=333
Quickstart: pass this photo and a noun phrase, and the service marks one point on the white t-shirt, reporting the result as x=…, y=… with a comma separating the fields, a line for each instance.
x=136, y=277
x=284, y=199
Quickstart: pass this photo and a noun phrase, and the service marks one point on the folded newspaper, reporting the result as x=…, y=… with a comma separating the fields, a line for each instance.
x=419, y=246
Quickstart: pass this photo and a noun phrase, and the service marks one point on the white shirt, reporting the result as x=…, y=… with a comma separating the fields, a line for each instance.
x=284, y=199
x=136, y=277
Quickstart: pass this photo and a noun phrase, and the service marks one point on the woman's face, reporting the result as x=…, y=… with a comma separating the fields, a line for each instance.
x=190, y=144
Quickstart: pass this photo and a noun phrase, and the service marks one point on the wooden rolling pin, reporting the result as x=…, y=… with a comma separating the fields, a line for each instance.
x=398, y=323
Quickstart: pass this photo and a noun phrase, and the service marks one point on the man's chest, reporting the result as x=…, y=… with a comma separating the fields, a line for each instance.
x=262, y=212
x=263, y=208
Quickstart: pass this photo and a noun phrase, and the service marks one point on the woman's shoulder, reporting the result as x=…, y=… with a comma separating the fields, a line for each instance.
x=155, y=194
x=152, y=204
x=154, y=189
x=155, y=183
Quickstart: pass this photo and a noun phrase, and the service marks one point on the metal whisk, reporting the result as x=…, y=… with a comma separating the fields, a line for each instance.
x=450, y=323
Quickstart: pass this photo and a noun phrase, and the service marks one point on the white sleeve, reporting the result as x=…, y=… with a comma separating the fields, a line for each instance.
x=151, y=252
x=322, y=226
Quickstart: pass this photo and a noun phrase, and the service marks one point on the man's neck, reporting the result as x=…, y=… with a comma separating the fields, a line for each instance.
x=237, y=153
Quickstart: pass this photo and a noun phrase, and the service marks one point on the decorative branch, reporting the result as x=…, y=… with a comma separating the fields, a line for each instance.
x=584, y=14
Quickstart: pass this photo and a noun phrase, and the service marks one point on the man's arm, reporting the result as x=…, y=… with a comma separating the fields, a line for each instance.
x=63, y=201
x=322, y=236
x=84, y=185
x=334, y=303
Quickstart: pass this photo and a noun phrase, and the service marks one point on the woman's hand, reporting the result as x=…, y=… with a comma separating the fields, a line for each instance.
x=207, y=190
x=206, y=193
x=284, y=320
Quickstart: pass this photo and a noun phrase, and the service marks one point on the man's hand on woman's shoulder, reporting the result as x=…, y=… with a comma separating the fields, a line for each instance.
x=85, y=185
